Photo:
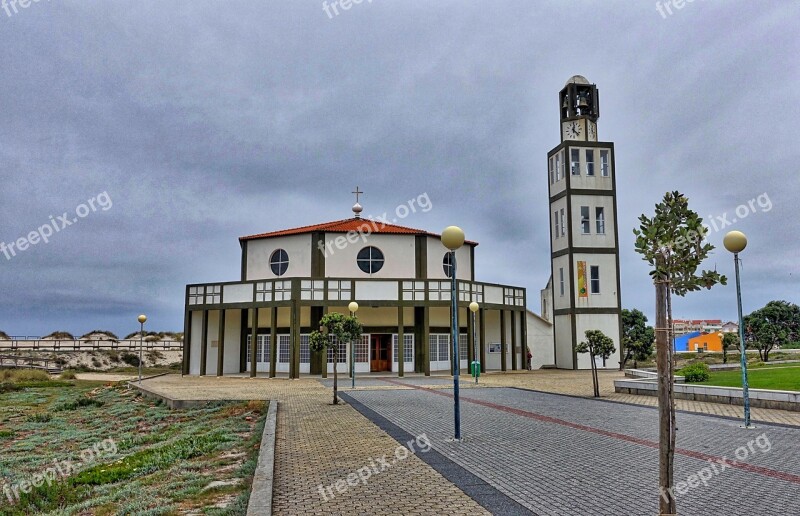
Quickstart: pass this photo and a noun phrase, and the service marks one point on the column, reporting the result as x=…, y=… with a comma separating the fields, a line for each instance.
x=400, y=344
x=503, y=365
x=221, y=343
x=273, y=341
x=253, y=344
x=204, y=344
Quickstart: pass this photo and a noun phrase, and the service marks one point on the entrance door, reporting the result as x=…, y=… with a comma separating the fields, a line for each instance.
x=380, y=353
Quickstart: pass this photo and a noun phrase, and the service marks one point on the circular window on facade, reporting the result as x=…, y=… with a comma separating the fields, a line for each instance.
x=370, y=260
x=447, y=264
x=279, y=262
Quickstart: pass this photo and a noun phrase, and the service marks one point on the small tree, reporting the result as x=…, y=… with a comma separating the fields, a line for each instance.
x=637, y=337
x=777, y=324
x=672, y=243
x=597, y=344
x=336, y=330
x=730, y=340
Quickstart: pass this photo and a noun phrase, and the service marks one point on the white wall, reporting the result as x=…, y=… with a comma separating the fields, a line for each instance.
x=608, y=324
x=540, y=341
x=596, y=182
x=213, y=336
x=607, y=298
x=592, y=239
x=398, y=252
x=233, y=326
x=436, y=252
x=560, y=185
x=560, y=301
x=298, y=247
x=563, y=336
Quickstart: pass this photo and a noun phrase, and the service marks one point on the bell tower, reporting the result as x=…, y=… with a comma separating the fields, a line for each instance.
x=584, y=243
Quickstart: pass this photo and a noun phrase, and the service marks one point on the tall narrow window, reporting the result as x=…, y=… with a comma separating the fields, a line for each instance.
x=600, y=220
x=585, y=220
x=551, y=167
x=604, y=163
x=555, y=216
x=595, y=279
x=589, y=162
x=563, y=225
x=561, y=280
x=558, y=167
x=575, y=165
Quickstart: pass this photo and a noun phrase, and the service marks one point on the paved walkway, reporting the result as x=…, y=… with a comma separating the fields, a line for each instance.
x=320, y=447
x=320, y=444
x=559, y=455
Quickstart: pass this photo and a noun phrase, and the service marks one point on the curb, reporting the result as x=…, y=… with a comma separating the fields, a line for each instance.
x=173, y=404
x=261, y=491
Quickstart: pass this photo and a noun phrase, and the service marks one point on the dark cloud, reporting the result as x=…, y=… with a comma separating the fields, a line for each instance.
x=204, y=121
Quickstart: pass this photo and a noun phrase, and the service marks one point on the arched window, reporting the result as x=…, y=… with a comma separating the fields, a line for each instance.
x=279, y=262
x=370, y=259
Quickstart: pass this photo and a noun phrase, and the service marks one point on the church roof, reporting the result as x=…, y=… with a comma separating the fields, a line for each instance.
x=354, y=224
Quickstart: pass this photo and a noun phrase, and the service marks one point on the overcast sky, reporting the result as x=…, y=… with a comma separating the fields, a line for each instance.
x=205, y=121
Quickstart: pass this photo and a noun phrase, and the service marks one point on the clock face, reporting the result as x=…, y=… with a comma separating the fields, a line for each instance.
x=573, y=130
x=592, y=132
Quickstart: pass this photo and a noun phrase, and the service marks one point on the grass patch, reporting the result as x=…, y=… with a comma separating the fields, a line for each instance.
x=23, y=375
x=161, y=462
x=781, y=377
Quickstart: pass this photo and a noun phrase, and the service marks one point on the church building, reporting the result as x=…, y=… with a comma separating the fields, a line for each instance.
x=400, y=278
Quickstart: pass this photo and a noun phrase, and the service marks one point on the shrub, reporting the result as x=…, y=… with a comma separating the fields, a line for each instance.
x=4, y=336
x=9, y=387
x=6, y=434
x=697, y=372
x=130, y=359
x=25, y=375
x=79, y=403
x=39, y=417
x=68, y=375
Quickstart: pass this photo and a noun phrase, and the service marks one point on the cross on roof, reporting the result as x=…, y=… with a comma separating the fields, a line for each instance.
x=357, y=194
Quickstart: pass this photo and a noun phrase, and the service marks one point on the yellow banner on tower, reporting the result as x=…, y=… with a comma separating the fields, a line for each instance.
x=582, y=292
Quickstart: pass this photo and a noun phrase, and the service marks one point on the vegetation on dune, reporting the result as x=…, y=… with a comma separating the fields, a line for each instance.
x=153, y=460
x=59, y=335
x=152, y=336
x=110, y=334
x=4, y=336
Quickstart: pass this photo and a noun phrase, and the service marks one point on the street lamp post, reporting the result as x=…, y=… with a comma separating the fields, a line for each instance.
x=142, y=318
x=353, y=307
x=735, y=242
x=453, y=238
x=473, y=307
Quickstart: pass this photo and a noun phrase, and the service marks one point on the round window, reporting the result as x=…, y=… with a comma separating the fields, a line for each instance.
x=447, y=264
x=370, y=260
x=279, y=262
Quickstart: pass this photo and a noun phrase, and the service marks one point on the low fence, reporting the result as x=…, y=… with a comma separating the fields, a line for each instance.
x=45, y=364
x=87, y=345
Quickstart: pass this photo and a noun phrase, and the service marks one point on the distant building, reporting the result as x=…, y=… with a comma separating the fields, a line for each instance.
x=730, y=327
x=682, y=342
x=682, y=326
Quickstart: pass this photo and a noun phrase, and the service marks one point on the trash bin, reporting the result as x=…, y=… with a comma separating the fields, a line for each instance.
x=475, y=368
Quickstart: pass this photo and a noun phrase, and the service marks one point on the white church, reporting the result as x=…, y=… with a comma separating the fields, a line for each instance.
x=400, y=278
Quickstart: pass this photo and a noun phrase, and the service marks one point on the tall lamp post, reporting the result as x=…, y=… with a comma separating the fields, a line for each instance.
x=473, y=307
x=453, y=238
x=353, y=307
x=735, y=242
x=142, y=318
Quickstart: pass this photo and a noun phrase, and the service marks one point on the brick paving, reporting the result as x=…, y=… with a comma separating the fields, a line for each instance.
x=319, y=444
x=560, y=455
x=579, y=383
x=567, y=469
